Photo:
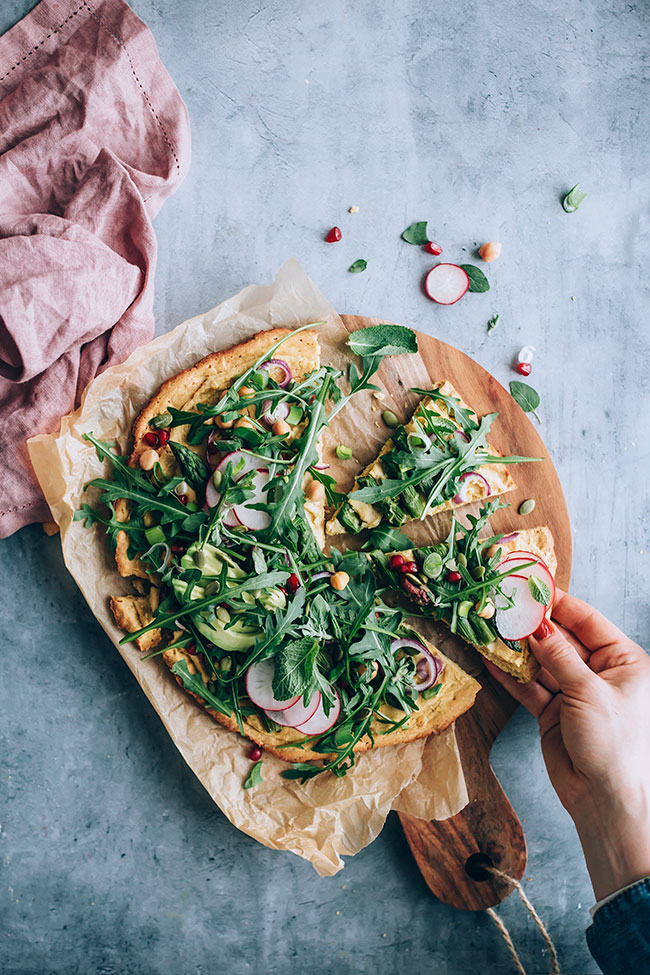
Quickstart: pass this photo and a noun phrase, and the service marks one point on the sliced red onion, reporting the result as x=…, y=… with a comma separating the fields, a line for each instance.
x=321, y=575
x=321, y=467
x=271, y=414
x=212, y=453
x=469, y=479
x=280, y=364
x=508, y=538
x=462, y=435
x=427, y=668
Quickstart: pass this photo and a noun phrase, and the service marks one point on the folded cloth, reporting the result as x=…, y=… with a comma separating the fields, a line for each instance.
x=94, y=136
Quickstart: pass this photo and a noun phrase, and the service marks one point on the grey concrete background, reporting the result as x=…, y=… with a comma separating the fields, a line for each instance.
x=476, y=117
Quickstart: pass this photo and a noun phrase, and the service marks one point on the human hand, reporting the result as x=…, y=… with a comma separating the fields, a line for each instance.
x=592, y=701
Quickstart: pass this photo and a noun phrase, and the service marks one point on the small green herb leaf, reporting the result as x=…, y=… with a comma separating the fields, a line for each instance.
x=525, y=396
x=493, y=322
x=294, y=668
x=416, y=234
x=477, y=280
x=254, y=777
x=573, y=199
x=358, y=266
x=383, y=340
x=385, y=539
x=539, y=590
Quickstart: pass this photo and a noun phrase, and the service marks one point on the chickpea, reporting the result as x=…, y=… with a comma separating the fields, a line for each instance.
x=246, y=391
x=223, y=424
x=315, y=491
x=490, y=251
x=280, y=428
x=488, y=610
x=148, y=458
x=339, y=580
x=50, y=528
x=244, y=422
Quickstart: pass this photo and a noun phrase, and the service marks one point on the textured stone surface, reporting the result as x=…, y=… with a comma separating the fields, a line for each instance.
x=476, y=117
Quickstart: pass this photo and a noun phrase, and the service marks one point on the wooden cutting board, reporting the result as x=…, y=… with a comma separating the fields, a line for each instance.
x=488, y=826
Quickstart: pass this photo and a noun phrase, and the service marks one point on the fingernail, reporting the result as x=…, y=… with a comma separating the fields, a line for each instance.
x=543, y=630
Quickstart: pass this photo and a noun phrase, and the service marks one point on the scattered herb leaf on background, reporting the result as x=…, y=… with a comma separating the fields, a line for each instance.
x=416, y=233
x=358, y=266
x=526, y=397
x=254, y=777
x=493, y=322
x=477, y=280
x=573, y=199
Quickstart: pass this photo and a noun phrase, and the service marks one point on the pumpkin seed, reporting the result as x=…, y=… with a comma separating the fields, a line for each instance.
x=526, y=507
x=390, y=419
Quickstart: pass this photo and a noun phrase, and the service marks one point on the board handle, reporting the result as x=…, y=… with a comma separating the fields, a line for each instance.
x=487, y=830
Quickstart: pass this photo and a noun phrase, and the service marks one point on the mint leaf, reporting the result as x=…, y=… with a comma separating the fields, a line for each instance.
x=526, y=397
x=385, y=539
x=358, y=266
x=477, y=280
x=539, y=590
x=383, y=340
x=573, y=199
x=294, y=668
x=416, y=234
x=254, y=777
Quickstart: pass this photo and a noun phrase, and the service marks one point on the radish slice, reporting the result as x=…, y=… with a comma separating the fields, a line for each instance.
x=240, y=460
x=446, y=283
x=523, y=556
x=540, y=570
x=520, y=620
x=320, y=722
x=255, y=520
x=212, y=499
x=297, y=713
x=259, y=687
x=473, y=487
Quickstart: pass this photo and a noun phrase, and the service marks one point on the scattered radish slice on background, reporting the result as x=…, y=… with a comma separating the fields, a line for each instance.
x=520, y=620
x=259, y=687
x=446, y=283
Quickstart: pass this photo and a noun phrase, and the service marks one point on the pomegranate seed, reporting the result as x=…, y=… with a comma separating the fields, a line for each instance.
x=152, y=439
x=524, y=368
x=453, y=576
x=163, y=437
x=396, y=561
x=293, y=582
x=282, y=590
x=432, y=248
x=409, y=567
x=182, y=498
x=179, y=549
x=191, y=649
x=255, y=754
x=334, y=235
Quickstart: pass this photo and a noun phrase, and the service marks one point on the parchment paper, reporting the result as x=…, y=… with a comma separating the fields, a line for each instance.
x=326, y=818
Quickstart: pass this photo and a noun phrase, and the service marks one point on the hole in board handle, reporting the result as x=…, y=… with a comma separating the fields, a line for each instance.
x=475, y=866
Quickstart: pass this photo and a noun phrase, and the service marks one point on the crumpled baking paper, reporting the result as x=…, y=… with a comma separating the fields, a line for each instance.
x=328, y=817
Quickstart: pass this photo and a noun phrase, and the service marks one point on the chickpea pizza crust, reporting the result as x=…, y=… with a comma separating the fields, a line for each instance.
x=217, y=520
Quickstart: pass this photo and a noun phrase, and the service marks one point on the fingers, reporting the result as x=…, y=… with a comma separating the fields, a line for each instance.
x=590, y=627
x=533, y=696
x=557, y=655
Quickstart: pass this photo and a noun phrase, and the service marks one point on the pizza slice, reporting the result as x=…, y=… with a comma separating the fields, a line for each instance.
x=440, y=459
x=492, y=592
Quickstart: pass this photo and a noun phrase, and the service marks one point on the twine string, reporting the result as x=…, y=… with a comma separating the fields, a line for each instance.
x=555, y=966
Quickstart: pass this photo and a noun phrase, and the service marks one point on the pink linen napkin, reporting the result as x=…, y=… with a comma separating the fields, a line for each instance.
x=94, y=137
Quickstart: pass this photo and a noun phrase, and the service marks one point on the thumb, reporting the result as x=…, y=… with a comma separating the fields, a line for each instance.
x=553, y=651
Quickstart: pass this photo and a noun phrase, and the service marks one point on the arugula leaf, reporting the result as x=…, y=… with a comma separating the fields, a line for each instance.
x=539, y=590
x=573, y=199
x=477, y=280
x=294, y=668
x=386, y=539
x=193, y=468
x=383, y=340
x=416, y=233
x=526, y=397
x=358, y=266
x=196, y=684
x=254, y=777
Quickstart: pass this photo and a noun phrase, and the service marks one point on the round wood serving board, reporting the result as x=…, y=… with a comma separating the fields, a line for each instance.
x=488, y=824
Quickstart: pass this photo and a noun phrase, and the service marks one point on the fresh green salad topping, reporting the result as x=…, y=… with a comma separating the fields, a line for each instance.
x=242, y=580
